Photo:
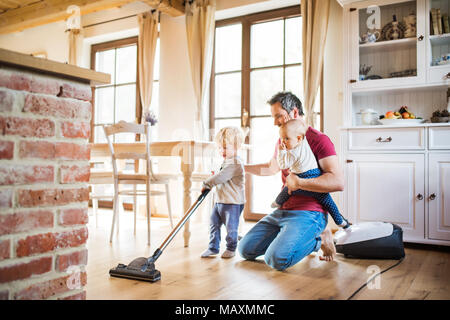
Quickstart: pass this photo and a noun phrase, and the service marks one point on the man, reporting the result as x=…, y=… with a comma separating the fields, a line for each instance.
x=296, y=229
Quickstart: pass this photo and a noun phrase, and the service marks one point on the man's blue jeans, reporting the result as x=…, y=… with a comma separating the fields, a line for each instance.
x=227, y=214
x=284, y=237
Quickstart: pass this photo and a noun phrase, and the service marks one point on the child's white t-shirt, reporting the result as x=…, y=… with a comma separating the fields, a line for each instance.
x=298, y=160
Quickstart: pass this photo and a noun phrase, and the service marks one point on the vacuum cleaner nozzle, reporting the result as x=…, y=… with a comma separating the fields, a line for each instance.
x=135, y=270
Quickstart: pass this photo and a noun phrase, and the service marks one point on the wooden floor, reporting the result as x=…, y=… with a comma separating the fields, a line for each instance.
x=424, y=274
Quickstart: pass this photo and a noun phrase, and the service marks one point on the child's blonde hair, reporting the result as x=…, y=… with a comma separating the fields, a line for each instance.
x=230, y=135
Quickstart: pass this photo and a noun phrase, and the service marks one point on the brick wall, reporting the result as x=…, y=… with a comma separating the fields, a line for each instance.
x=44, y=170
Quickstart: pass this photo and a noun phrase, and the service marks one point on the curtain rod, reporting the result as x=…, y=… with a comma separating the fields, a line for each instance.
x=133, y=15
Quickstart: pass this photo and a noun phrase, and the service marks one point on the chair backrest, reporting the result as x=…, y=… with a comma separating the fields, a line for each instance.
x=129, y=127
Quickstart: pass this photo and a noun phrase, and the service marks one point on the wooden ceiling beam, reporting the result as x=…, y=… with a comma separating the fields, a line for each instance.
x=173, y=8
x=44, y=12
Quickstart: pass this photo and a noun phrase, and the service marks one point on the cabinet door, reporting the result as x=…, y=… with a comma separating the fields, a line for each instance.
x=439, y=196
x=390, y=188
x=387, y=49
x=439, y=42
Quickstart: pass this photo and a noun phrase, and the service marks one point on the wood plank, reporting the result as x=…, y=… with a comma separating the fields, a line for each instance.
x=52, y=67
x=44, y=12
x=34, y=14
x=173, y=8
x=185, y=276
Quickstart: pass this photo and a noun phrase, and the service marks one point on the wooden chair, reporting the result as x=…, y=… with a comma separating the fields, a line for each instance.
x=132, y=178
x=99, y=177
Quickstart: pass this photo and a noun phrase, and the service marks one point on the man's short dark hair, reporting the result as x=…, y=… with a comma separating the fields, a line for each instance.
x=288, y=101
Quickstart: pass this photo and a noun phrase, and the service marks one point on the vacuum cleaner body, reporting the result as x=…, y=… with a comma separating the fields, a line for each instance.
x=134, y=271
x=371, y=240
x=144, y=268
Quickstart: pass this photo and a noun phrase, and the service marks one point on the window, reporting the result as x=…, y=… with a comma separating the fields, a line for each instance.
x=120, y=99
x=255, y=57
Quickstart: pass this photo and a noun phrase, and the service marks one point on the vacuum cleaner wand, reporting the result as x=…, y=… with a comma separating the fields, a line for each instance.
x=144, y=268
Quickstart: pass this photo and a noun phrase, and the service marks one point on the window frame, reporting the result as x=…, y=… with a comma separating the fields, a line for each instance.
x=247, y=21
x=115, y=44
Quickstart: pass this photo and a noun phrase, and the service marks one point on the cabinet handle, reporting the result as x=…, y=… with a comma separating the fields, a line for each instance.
x=349, y=161
x=352, y=81
x=379, y=139
x=420, y=38
x=432, y=196
x=419, y=197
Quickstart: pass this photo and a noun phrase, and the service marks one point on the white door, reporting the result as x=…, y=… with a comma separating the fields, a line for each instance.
x=438, y=197
x=390, y=188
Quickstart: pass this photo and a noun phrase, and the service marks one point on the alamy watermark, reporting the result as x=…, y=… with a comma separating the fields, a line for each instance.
x=374, y=280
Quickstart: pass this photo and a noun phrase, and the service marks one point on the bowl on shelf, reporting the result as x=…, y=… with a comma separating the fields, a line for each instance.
x=400, y=122
x=439, y=119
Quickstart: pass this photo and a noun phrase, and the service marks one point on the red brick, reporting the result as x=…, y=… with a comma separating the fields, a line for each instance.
x=72, y=151
x=45, y=85
x=76, y=91
x=57, y=107
x=6, y=198
x=17, y=80
x=5, y=249
x=25, y=221
x=25, y=270
x=75, y=216
x=39, y=243
x=40, y=128
x=37, y=149
x=51, y=197
x=6, y=150
x=6, y=101
x=75, y=174
x=78, y=296
x=72, y=259
x=73, y=238
x=46, y=289
x=76, y=129
x=14, y=175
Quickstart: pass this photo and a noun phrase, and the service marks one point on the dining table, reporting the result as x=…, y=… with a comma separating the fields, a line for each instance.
x=191, y=153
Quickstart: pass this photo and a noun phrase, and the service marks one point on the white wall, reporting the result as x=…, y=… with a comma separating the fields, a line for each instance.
x=333, y=81
x=50, y=38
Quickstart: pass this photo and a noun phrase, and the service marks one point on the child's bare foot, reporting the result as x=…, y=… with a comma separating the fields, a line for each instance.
x=328, y=248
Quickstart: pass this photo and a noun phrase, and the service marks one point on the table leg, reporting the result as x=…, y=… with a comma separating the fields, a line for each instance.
x=187, y=184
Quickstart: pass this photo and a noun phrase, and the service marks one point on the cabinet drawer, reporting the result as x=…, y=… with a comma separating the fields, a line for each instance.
x=439, y=138
x=387, y=139
x=436, y=75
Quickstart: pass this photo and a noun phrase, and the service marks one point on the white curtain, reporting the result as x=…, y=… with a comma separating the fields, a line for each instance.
x=200, y=27
x=73, y=37
x=315, y=14
x=148, y=35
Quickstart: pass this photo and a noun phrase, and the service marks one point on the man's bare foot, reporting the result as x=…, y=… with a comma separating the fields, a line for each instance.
x=328, y=248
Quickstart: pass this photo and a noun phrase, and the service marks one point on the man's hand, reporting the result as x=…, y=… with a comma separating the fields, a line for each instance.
x=292, y=182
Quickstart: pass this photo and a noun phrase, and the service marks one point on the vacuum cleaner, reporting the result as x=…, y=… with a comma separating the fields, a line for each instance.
x=144, y=268
x=371, y=240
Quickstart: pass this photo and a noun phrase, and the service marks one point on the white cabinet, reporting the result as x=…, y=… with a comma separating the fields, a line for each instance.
x=400, y=172
x=401, y=184
x=390, y=188
x=438, y=198
x=379, y=40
